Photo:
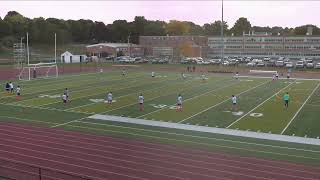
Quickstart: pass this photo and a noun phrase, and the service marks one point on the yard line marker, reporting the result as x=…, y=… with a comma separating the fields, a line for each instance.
x=213, y=90
x=62, y=124
x=258, y=105
x=221, y=102
x=295, y=115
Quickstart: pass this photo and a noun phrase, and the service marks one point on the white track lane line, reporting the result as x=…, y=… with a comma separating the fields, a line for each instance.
x=259, y=105
x=295, y=115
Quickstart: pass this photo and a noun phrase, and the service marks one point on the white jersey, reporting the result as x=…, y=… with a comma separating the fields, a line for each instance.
x=64, y=97
x=179, y=101
x=234, y=100
x=277, y=75
x=152, y=74
x=203, y=76
x=18, y=90
x=11, y=85
x=109, y=96
x=183, y=75
x=141, y=99
x=237, y=76
x=274, y=77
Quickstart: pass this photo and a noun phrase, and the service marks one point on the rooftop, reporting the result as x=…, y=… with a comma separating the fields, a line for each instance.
x=114, y=45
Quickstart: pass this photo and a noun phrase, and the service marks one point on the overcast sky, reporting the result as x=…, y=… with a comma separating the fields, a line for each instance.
x=261, y=13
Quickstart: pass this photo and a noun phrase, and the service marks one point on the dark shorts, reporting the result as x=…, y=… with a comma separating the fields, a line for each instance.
x=64, y=101
x=288, y=77
x=179, y=104
x=18, y=94
x=234, y=103
x=7, y=89
x=109, y=101
x=141, y=103
x=286, y=102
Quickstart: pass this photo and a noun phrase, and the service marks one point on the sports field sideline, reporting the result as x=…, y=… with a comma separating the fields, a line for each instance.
x=205, y=103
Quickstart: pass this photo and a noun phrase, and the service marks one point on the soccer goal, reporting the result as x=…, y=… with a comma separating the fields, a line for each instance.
x=39, y=71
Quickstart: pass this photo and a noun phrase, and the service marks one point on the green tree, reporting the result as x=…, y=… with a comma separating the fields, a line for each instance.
x=5, y=28
x=241, y=25
x=177, y=28
x=17, y=22
x=214, y=29
x=155, y=28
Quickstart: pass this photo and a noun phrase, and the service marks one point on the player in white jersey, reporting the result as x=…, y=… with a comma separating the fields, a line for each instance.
x=109, y=97
x=141, y=102
x=11, y=87
x=234, y=103
x=152, y=74
x=18, y=91
x=277, y=75
x=236, y=76
x=273, y=77
x=64, y=99
x=179, y=103
x=183, y=76
x=124, y=72
x=203, y=77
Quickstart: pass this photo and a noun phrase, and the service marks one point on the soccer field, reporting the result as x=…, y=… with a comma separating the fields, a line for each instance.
x=205, y=103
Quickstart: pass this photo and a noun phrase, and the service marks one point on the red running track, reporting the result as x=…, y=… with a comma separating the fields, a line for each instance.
x=108, y=158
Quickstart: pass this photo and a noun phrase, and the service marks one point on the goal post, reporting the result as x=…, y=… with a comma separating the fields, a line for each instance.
x=39, y=71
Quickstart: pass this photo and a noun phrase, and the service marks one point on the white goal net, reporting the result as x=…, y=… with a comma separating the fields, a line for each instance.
x=38, y=71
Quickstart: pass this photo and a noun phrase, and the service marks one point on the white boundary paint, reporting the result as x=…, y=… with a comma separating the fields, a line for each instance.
x=267, y=136
x=295, y=115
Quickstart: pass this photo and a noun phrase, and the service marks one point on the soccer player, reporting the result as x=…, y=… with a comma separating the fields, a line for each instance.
x=124, y=72
x=179, y=103
x=7, y=87
x=234, y=103
x=277, y=75
x=64, y=99
x=237, y=76
x=11, y=87
x=109, y=97
x=273, y=77
x=288, y=76
x=152, y=74
x=183, y=76
x=141, y=101
x=286, y=99
x=66, y=92
x=18, y=91
x=203, y=77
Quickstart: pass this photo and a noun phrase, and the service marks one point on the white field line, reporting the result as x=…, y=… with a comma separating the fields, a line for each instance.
x=222, y=102
x=295, y=115
x=36, y=86
x=24, y=119
x=94, y=94
x=191, y=98
x=200, y=137
x=194, y=142
x=150, y=165
x=148, y=100
x=62, y=124
x=124, y=95
x=284, y=78
x=79, y=90
x=44, y=108
x=259, y=105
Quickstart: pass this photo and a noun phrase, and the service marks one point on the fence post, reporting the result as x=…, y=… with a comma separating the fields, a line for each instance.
x=40, y=173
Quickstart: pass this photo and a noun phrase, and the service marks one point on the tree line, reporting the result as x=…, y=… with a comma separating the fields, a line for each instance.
x=14, y=26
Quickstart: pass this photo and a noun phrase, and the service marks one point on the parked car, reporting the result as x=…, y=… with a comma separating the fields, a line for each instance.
x=317, y=66
x=141, y=60
x=215, y=61
x=289, y=65
x=260, y=64
x=251, y=64
x=299, y=64
x=310, y=65
x=225, y=63
x=279, y=63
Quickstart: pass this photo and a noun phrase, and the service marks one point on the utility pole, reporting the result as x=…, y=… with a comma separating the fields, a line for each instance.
x=28, y=47
x=129, y=45
x=222, y=38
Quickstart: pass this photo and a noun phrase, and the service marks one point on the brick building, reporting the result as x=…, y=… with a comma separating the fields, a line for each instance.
x=174, y=46
x=112, y=49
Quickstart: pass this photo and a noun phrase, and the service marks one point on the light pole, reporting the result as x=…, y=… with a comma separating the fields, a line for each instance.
x=222, y=39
